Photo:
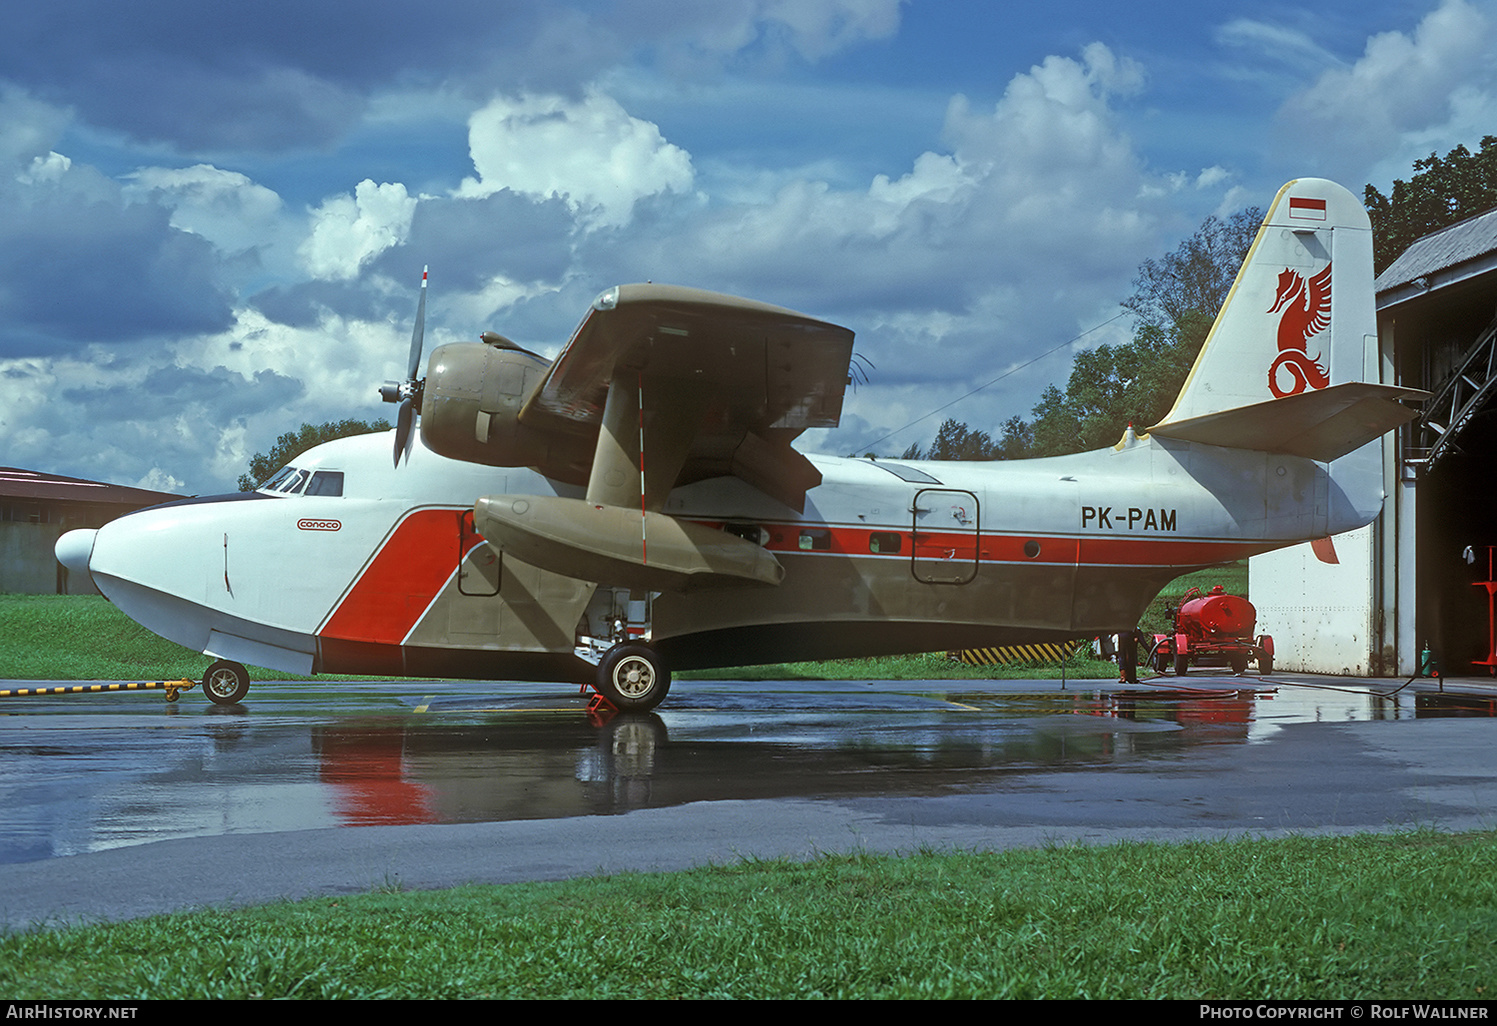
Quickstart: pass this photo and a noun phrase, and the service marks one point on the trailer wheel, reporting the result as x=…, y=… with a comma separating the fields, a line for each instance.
x=1265, y=664
x=226, y=682
x=1239, y=662
x=633, y=678
x=1182, y=664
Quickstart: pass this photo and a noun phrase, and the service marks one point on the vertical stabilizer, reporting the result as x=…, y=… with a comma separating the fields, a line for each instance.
x=1291, y=363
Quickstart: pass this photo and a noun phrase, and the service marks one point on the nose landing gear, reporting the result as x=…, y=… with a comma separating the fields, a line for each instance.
x=226, y=682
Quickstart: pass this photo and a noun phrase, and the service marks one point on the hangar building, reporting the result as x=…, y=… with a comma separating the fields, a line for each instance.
x=1412, y=581
x=36, y=509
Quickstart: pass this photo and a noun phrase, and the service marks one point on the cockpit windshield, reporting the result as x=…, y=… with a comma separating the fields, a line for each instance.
x=293, y=481
x=278, y=479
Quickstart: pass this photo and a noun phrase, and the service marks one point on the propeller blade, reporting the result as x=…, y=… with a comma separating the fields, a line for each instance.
x=403, y=427
x=408, y=392
x=419, y=332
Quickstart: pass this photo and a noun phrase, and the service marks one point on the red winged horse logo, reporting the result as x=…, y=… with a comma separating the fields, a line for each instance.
x=1307, y=312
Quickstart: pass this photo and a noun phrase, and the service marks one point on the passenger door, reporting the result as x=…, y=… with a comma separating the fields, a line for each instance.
x=945, y=533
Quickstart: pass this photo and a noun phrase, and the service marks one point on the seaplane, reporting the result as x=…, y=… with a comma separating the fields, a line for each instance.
x=636, y=506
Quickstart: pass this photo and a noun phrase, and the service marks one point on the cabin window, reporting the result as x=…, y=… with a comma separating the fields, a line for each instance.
x=884, y=543
x=326, y=482
x=816, y=540
x=748, y=532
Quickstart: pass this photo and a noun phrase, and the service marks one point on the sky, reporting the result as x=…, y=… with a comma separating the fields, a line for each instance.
x=213, y=217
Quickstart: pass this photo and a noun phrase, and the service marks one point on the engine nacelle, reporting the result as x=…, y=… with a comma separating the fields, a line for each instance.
x=470, y=411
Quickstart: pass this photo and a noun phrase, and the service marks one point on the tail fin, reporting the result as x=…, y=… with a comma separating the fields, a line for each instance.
x=1291, y=364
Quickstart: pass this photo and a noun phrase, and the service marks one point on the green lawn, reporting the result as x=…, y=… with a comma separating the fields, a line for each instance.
x=1399, y=916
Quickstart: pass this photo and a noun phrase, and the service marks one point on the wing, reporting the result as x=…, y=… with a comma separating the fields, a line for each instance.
x=709, y=384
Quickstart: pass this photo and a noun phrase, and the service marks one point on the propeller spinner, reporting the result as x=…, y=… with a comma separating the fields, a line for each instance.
x=408, y=392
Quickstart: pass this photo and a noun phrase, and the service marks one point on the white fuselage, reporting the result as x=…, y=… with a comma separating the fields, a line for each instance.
x=388, y=575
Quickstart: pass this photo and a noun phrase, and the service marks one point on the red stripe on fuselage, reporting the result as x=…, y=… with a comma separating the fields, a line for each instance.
x=419, y=557
x=401, y=581
x=1109, y=550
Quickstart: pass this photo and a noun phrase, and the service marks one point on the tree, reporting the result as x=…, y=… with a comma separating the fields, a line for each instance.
x=1176, y=300
x=1194, y=280
x=955, y=441
x=294, y=443
x=1017, y=440
x=1439, y=193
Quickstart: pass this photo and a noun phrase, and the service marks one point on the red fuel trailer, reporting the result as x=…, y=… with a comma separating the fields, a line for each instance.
x=1215, y=629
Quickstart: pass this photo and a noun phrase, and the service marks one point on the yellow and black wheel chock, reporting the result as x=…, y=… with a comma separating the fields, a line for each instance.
x=173, y=689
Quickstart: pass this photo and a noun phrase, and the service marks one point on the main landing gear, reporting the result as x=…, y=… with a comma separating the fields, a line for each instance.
x=632, y=677
x=226, y=682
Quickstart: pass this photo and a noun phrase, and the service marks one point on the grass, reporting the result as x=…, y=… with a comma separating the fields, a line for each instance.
x=75, y=637
x=83, y=637
x=1373, y=916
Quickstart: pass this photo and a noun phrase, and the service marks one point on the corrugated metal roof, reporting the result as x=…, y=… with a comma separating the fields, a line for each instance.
x=16, y=483
x=1442, y=250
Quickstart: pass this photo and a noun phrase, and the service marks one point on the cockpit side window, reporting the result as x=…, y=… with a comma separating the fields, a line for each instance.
x=293, y=485
x=326, y=482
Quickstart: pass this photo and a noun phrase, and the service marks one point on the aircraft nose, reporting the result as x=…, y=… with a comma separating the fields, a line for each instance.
x=74, y=549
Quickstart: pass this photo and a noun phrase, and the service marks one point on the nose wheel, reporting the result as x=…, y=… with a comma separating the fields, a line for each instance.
x=226, y=682
x=633, y=678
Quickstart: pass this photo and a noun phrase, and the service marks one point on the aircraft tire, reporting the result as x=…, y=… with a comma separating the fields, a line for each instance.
x=633, y=678
x=226, y=682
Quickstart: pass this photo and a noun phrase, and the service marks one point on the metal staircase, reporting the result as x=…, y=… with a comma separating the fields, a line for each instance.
x=1460, y=398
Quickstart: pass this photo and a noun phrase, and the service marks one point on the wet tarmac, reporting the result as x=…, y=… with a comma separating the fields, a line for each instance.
x=115, y=805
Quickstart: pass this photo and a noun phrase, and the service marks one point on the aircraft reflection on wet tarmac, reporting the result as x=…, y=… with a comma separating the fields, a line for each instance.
x=92, y=772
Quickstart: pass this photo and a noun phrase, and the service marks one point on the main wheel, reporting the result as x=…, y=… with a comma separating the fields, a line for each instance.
x=226, y=683
x=633, y=678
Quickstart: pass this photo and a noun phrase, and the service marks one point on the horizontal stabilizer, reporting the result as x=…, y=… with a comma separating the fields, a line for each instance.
x=616, y=546
x=1321, y=425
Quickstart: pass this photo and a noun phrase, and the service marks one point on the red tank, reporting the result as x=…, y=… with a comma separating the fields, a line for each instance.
x=1215, y=629
x=1217, y=616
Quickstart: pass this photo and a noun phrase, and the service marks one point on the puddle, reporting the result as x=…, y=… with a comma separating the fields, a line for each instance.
x=85, y=777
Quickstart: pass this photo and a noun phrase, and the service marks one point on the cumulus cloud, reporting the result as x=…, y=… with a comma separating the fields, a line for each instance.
x=1026, y=228
x=348, y=231
x=29, y=128
x=1046, y=171
x=1403, y=87
x=225, y=207
x=1022, y=223
x=591, y=153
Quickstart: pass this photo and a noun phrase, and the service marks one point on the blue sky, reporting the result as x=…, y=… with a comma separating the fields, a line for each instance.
x=213, y=217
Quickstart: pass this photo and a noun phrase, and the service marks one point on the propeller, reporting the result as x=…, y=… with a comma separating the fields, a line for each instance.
x=408, y=392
